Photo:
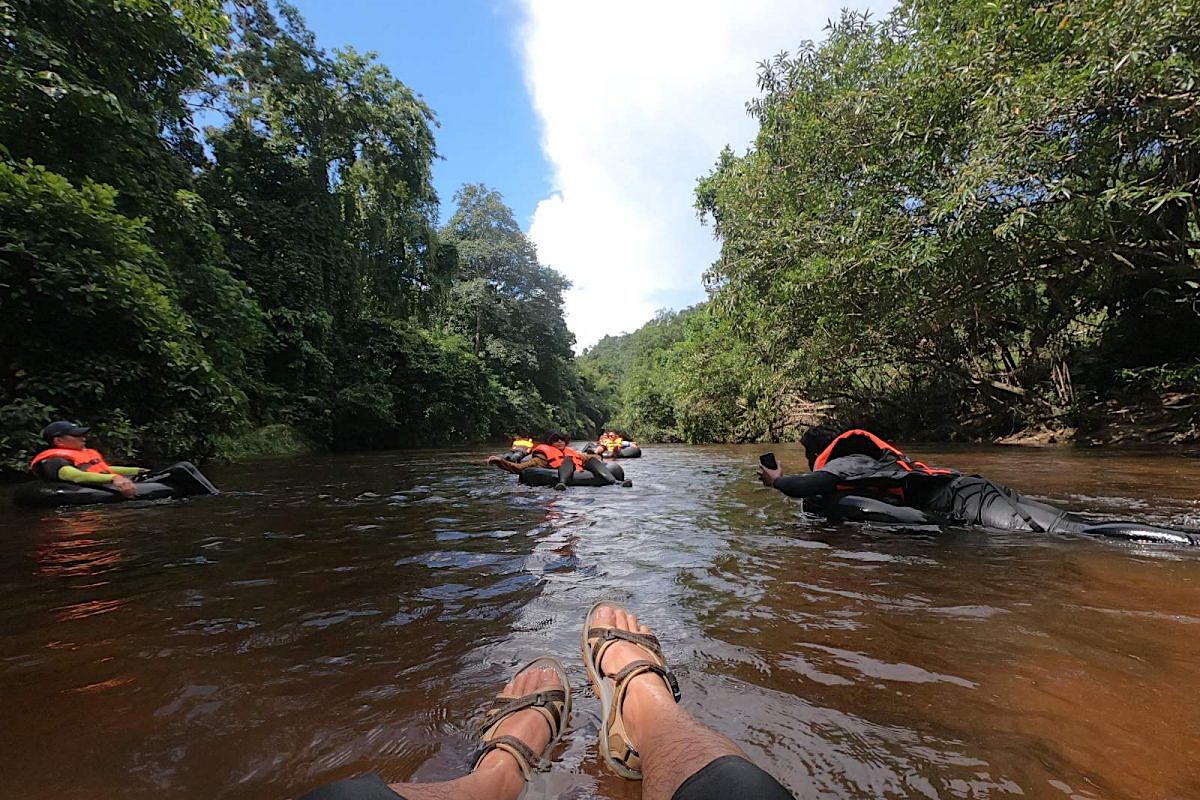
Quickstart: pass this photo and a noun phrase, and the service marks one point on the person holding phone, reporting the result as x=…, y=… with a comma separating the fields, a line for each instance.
x=857, y=462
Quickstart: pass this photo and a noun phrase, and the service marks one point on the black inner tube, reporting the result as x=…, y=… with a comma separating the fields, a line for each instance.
x=178, y=480
x=992, y=508
x=536, y=476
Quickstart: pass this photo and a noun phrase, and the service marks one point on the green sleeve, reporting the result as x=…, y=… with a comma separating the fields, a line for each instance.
x=73, y=475
x=127, y=471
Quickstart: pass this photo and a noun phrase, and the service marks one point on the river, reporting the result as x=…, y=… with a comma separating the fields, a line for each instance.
x=336, y=614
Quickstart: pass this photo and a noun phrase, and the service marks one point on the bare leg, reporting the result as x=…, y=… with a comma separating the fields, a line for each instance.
x=497, y=775
x=673, y=745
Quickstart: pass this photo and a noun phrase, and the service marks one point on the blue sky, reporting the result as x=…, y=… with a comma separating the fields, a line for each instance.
x=462, y=56
x=594, y=120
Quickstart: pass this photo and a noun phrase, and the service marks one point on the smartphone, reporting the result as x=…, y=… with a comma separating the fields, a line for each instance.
x=768, y=461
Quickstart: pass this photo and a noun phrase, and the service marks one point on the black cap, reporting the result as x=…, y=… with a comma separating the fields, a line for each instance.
x=62, y=428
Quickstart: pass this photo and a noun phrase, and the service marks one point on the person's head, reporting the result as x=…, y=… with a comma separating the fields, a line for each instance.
x=65, y=434
x=556, y=439
x=816, y=439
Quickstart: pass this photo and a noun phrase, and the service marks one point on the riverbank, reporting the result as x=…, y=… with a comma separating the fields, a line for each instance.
x=264, y=442
x=1168, y=420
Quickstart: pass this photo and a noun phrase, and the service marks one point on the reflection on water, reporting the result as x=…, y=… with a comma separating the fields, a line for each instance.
x=339, y=614
x=71, y=546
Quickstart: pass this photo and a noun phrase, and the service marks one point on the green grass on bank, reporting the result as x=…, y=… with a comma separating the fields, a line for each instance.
x=269, y=440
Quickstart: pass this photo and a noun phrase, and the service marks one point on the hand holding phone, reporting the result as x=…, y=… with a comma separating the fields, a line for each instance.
x=768, y=469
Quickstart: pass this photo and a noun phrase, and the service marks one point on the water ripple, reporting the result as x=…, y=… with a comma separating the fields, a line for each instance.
x=341, y=614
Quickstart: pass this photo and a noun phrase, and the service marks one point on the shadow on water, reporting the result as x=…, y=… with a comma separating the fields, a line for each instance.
x=334, y=615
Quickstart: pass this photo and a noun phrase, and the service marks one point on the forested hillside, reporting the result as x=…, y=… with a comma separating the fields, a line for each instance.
x=959, y=221
x=962, y=220
x=211, y=226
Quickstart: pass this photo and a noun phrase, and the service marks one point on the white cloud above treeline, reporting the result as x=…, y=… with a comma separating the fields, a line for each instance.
x=636, y=101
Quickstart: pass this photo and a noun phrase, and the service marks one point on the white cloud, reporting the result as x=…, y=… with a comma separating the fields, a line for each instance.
x=636, y=100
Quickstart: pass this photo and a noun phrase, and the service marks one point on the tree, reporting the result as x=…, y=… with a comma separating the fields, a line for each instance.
x=323, y=180
x=107, y=255
x=89, y=332
x=509, y=306
x=961, y=209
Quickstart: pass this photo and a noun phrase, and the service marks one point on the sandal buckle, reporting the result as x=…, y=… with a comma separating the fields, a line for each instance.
x=673, y=683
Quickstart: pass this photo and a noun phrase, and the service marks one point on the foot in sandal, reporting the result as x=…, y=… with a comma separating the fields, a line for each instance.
x=628, y=671
x=645, y=734
x=519, y=731
x=526, y=719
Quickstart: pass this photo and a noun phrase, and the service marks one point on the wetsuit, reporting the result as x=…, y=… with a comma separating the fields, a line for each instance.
x=519, y=451
x=82, y=466
x=87, y=468
x=516, y=455
x=859, y=463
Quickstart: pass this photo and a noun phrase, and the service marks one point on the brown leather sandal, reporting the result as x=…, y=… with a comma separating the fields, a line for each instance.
x=618, y=752
x=553, y=704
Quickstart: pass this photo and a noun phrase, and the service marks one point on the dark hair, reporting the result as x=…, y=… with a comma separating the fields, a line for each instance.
x=817, y=438
x=554, y=436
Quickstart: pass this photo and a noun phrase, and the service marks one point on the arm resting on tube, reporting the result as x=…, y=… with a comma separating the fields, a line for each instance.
x=73, y=475
x=807, y=485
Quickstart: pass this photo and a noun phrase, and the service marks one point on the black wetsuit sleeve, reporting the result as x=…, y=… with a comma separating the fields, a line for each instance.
x=48, y=470
x=807, y=485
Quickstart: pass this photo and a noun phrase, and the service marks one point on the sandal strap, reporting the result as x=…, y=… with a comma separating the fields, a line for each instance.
x=603, y=638
x=635, y=668
x=549, y=702
x=520, y=751
x=619, y=746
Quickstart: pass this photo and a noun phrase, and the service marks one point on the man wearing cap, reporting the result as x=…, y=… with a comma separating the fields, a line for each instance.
x=70, y=459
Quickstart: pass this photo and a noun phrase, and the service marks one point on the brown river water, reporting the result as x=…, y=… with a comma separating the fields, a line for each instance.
x=338, y=614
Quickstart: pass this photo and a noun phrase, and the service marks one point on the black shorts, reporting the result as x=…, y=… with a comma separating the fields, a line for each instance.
x=731, y=776
x=726, y=777
x=364, y=787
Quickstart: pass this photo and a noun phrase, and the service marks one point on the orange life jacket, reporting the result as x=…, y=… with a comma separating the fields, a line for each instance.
x=861, y=442
x=86, y=460
x=612, y=442
x=555, y=456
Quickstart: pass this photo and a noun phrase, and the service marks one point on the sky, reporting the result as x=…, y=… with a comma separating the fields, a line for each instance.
x=594, y=121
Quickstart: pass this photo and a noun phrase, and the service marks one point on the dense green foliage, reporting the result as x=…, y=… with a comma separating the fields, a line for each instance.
x=508, y=306
x=969, y=210
x=176, y=289
x=688, y=377
x=964, y=219
x=635, y=376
